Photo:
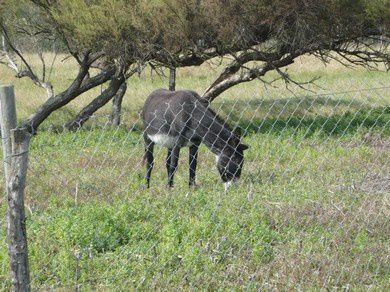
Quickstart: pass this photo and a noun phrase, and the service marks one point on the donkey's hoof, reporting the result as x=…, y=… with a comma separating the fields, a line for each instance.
x=193, y=186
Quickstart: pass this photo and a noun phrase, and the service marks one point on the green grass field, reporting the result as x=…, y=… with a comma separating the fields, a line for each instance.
x=311, y=211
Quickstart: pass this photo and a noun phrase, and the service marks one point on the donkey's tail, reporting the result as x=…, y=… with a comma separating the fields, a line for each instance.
x=148, y=148
x=144, y=158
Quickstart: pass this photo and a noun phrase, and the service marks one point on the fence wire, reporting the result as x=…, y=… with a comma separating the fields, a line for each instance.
x=311, y=210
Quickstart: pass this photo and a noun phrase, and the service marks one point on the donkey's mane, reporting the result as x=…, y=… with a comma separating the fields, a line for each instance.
x=220, y=120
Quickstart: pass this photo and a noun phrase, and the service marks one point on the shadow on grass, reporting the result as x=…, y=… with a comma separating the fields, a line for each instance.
x=376, y=119
x=306, y=115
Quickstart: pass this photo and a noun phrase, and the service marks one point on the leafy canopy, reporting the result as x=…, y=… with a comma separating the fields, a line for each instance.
x=138, y=28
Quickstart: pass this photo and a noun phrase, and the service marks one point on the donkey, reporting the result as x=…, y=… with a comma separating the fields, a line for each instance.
x=176, y=119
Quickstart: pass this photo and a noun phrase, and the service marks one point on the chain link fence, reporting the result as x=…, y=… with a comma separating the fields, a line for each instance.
x=311, y=210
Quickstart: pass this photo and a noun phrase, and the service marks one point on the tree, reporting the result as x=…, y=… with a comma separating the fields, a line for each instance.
x=343, y=30
x=24, y=23
x=274, y=34
x=121, y=37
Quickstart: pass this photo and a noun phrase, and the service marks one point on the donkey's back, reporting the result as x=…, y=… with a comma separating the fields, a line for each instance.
x=169, y=116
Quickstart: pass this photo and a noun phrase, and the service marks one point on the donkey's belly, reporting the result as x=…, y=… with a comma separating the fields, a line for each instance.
x=167, y=141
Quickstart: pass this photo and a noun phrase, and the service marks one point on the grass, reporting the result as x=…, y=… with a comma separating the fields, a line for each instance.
x=310, y=213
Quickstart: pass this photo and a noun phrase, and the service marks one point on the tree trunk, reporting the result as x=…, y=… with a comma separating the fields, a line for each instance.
x=96, y=104
x=79, y=86
x=172, y=78
x=115, y=118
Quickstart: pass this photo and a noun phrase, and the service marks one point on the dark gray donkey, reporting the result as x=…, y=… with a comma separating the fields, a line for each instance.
x=177, y=119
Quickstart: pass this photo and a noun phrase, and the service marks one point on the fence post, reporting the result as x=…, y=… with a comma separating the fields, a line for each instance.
x=15, y=155
x=8, y=122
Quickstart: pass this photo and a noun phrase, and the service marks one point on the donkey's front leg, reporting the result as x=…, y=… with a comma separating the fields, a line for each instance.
x=193, y=159
x=174, y=155
x=168, y=161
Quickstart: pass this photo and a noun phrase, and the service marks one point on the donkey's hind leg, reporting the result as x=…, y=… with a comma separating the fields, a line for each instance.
x=193, y=159
x=149, y=146
x=174, y=160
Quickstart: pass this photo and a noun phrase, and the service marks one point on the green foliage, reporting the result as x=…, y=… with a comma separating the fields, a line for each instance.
x=138, y=29
x=379, y=11
x=29, y=28
x=93, y=22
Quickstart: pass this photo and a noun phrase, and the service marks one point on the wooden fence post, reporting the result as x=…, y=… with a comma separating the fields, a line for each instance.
x=8, y=122
x=15, y=155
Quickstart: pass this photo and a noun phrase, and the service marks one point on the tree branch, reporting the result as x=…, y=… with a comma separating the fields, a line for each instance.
x=242, y=59
x=78, y=86
x=10, y=63
x=97, y=103
x=229, y=80
x=17, y=52
x=28, y=72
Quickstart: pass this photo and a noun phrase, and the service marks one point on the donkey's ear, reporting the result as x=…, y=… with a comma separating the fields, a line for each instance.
x=243, y=147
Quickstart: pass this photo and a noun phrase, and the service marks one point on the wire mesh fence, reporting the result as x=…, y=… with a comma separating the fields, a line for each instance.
x=311, y=209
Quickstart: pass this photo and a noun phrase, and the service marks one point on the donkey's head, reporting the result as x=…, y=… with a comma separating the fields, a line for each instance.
x=231, y=160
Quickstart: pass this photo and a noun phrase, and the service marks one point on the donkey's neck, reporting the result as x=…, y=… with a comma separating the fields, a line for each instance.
x=216, y=135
